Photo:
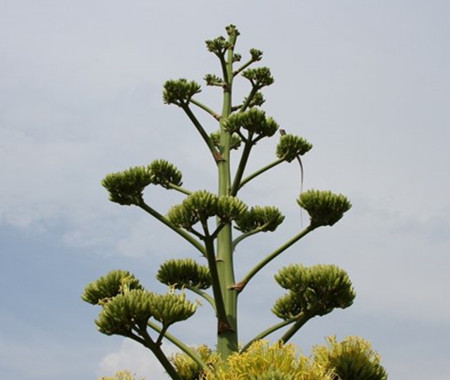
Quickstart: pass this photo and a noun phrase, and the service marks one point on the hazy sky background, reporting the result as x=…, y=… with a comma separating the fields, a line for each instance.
x=367, y=82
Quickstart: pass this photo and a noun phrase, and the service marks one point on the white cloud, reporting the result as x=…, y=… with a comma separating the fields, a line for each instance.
x=137, y=359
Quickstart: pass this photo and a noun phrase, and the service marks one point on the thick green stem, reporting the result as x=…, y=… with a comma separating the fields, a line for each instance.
x=186, y=349
x=270, y=257
x=227, y=339
x=260, y=171
x=179, y=231
x=223, y=324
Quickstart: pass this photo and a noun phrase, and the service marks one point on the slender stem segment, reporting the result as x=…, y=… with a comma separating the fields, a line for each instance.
x=179, y=231
x=179, y=189
x=248, y=99
x=243, y=67
x=148, y=342
x=248, y=234
x=187, y=350
x=301, y=320
x=205, y=108
x=242, y=164
x=260, y=171
x=270, y=257
x=206, y=138
x=268, y=331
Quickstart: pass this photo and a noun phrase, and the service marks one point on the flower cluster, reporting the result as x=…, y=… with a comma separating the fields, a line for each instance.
x=254, y=121
x=180, y=273
x=201, y=205
x=312, y=291
x=126, y=187
x=324, y=207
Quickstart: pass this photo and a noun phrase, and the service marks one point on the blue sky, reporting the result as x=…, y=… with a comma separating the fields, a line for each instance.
x=367, y=82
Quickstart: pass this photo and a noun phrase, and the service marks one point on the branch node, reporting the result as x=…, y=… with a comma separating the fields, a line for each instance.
x=223, y=327
x=239, y=286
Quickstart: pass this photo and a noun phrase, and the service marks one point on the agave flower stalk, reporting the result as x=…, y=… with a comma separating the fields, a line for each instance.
x=214, y=223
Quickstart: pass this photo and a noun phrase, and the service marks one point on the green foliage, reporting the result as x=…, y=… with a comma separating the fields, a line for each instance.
x=351, y=359
x=180, y=273
x=291, y=146
x=316, y=290
x=324, y=207
x=107, y=287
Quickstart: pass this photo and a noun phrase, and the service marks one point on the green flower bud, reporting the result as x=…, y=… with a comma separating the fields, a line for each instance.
x=257, y=100
x=256, y=54
x=232, y=31
x=254, y=121
x=213, y=80
x=198, y=206
x=235, y=141
x=179, y=273
x=171, y=308
x=217, y=46
x=237, y=57
x=268, y=218
x=107, y=287
x=288, y=306
x=180, y=91
x=126, y=187
x=126, y=311
x=324, y=207
x=230, y=208
x=164, y=173
x=317, y=290
x=259, y=77
x=291, y=146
